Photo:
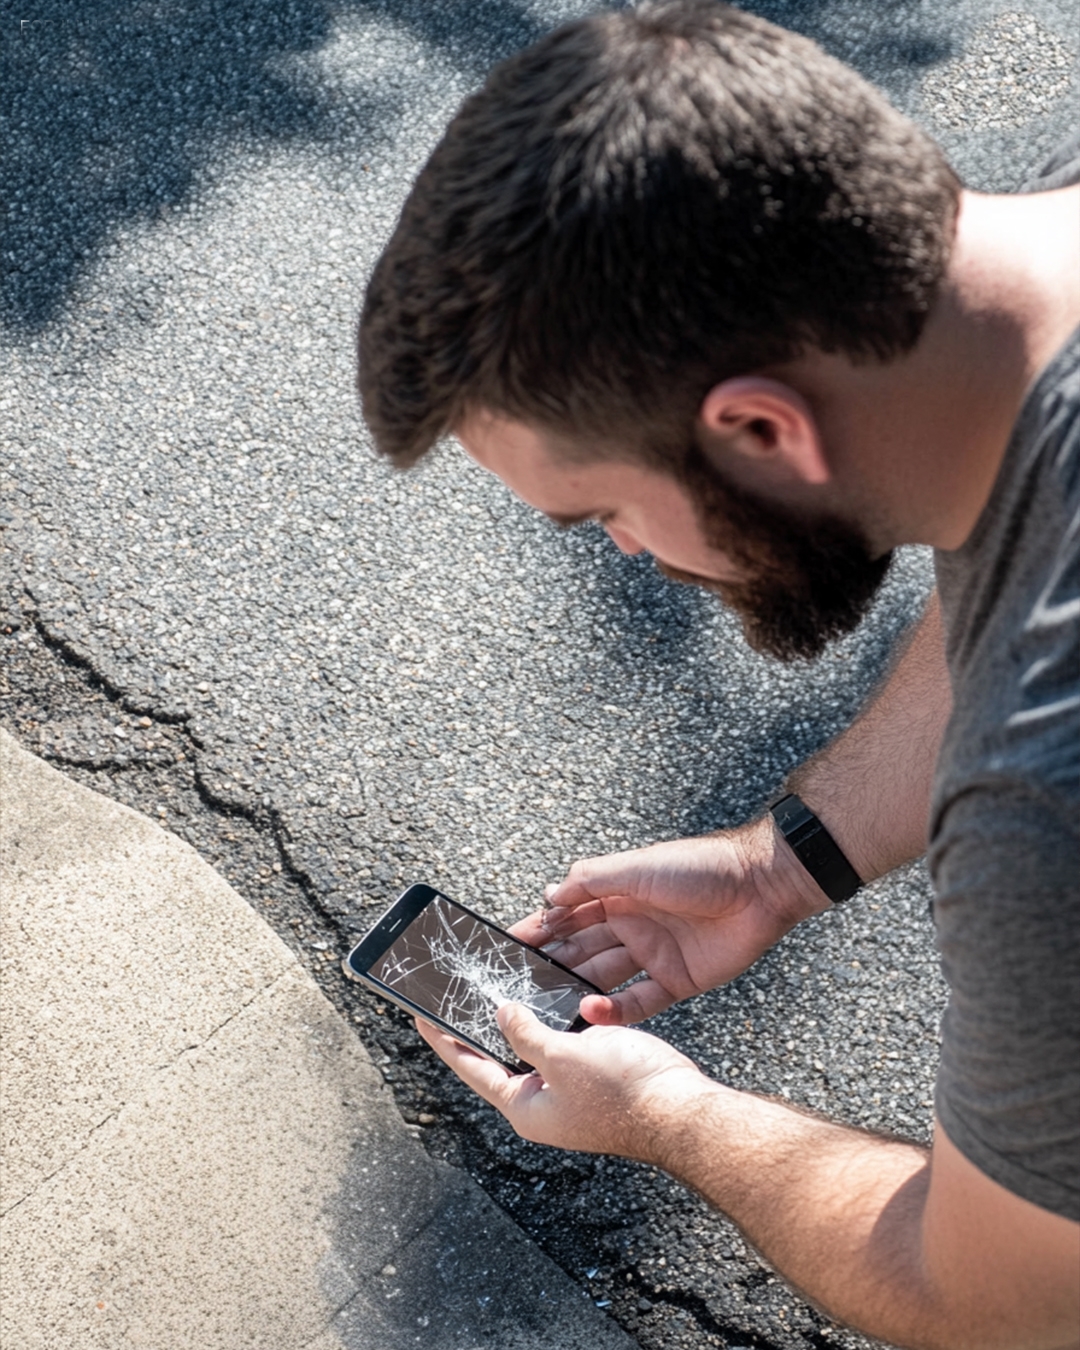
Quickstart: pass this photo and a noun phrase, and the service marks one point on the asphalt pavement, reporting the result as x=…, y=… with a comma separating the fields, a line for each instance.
x=335, y=680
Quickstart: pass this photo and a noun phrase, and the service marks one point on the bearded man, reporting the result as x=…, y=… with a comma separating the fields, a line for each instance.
x=676, y=270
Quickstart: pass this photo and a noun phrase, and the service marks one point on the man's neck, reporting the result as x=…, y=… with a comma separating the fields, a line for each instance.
x=917, y=443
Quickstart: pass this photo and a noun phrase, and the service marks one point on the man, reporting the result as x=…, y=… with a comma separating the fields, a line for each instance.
x=677, y=271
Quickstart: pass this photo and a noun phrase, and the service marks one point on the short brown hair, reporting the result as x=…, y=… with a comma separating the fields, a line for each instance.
x=640, y=205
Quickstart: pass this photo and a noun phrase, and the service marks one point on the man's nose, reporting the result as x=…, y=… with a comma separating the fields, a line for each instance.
x=624, y=541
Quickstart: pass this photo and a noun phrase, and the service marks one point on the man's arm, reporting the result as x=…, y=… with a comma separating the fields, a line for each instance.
x=871, y=786
x=694, y=913
x=918, y=1248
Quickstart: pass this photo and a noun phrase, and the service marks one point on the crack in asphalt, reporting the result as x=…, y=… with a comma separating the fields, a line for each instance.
x=266, y=817
x=458, y=1137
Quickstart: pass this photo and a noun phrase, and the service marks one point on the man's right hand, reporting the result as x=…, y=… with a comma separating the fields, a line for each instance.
x=692, y=914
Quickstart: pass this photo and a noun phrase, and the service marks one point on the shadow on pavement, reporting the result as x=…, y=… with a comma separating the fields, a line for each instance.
x=900, y=40
x=114, y=110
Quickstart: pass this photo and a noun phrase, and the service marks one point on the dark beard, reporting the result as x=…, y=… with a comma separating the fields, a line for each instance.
x=807, y=583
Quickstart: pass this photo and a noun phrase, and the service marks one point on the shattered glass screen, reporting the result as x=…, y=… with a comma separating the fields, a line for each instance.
x=462, y=970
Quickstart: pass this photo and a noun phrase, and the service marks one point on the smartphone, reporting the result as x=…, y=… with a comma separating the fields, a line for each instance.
x=433, y=957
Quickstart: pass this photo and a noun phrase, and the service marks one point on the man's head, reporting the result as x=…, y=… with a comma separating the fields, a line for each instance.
x=645, y=206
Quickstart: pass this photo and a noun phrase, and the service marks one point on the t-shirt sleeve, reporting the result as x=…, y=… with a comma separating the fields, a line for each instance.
x=1005, y=832
x=1007, y=869
x=1061, y=170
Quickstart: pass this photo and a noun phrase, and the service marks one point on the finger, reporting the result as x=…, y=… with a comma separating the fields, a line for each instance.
x=531, y=929
x=642, y=1000
x=483, y=1075
x=529, y=1039
x=572, y=951
x=561, y=922
x=592, y=878
x=608, y=969
x=579, y=947
x=581, y=952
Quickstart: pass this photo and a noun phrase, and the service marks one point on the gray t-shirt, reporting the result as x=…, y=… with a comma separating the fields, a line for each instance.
x=1005, y=825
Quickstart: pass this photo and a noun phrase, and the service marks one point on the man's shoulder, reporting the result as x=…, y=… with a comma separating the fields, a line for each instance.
x=1023, y=554
x=1011, y=607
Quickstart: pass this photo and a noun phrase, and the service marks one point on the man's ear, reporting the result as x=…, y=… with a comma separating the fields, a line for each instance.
x=769, y=424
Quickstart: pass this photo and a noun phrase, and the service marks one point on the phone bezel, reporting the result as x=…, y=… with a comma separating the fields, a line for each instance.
x=407, y=907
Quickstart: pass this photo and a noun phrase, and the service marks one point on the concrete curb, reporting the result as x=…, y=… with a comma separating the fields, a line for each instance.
x=197, y=1149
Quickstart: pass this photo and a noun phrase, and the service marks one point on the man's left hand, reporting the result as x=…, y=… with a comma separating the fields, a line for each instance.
x=602, y=1090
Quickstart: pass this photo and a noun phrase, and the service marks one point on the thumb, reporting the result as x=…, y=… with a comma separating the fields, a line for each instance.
x=529, y=1039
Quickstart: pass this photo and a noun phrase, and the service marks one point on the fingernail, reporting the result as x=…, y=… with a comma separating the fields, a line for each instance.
x=550, y=948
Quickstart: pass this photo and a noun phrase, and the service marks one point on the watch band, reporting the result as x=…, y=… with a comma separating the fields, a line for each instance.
x=815, y=848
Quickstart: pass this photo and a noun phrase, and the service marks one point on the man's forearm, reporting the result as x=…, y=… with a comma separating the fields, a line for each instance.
x=836, y=1211
x=871, y=786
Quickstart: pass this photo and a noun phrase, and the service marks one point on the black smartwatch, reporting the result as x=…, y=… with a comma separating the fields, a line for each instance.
x=815, y=848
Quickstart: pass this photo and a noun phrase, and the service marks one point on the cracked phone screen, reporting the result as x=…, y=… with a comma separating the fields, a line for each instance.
x=463, y=970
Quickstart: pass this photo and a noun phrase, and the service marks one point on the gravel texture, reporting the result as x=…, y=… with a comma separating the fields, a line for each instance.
x=335, y=680
x=1014, y=71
